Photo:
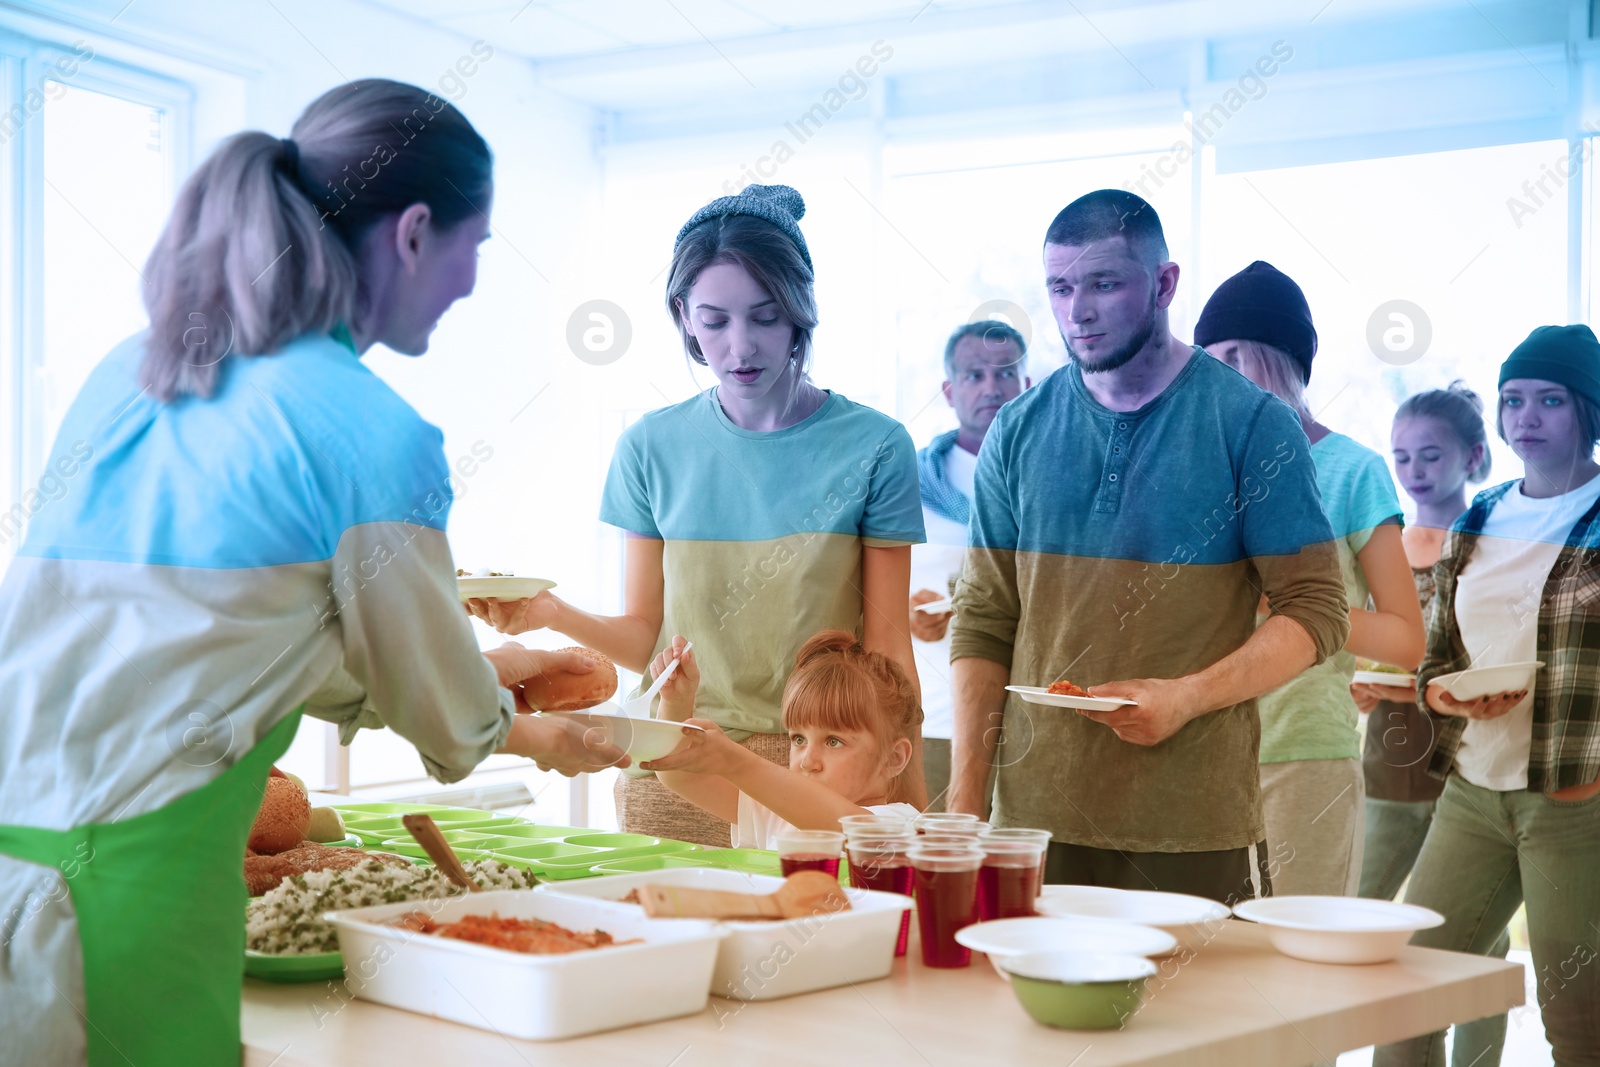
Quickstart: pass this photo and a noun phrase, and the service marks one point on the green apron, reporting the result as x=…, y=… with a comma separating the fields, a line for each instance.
x=160, y=901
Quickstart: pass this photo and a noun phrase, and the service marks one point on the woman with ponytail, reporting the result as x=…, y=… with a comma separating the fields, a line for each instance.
x=259, y=531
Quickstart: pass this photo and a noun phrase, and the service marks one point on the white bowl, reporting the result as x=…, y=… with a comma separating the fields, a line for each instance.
x=1338, y=929
x=1002, y=938
x=500, y=587
x=522, y=995
x=1487, y=681
x=1079, y=967
x=1382, y=678
x=766, y=959
x=1192, y=920
x=643, y=739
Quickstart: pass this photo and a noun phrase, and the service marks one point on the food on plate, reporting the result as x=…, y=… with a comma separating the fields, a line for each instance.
x=483, y=573
x=264, y=871
x=1065, y=688
x=1387, y=668
x=283, y=819
x=573, y=692
x=533, y=936
x=325, y=825
x=288, y=920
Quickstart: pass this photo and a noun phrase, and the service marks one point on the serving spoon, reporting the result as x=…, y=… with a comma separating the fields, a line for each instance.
x=426, y=831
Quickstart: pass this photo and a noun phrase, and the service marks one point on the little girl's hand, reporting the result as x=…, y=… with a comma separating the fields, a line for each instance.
x=703, y=751
x=677, y=696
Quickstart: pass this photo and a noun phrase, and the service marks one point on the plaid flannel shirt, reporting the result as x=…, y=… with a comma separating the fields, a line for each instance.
x=1566, y=698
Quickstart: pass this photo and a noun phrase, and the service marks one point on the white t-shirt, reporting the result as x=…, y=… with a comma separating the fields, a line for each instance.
x=759, y=827
x=1497, y=610
x=932, y=565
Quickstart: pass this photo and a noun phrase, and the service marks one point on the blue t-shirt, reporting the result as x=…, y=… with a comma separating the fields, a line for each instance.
x=763, y=535
x=1313, y=716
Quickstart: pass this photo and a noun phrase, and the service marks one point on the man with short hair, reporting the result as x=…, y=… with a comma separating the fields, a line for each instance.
x=1129, y=514
x=984, y=367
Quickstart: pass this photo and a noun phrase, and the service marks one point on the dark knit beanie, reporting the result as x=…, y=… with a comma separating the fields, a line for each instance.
x=1260, y=303
x=1567, y=355
x=778, y=204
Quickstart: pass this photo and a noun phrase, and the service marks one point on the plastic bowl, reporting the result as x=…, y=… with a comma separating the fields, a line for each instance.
x=642, y=739
x=1002, y=938
x=1192, y=920
x=1079, y=990
x=1338, y=929
x=1488, y=681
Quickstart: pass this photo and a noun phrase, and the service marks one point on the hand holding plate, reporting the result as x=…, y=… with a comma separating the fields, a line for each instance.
x=1161, y=708
x=1491, y=706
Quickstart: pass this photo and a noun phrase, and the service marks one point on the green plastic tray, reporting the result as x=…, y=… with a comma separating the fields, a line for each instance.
x=582, y=866
x=314, y=968
x=749, y=860
x=667, y=861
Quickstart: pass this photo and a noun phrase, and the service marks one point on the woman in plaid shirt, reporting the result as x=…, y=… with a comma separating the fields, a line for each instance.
x=1519, y=819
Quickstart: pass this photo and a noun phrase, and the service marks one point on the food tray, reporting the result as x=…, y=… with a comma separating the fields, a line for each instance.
x=766, y=959
x=526, y=996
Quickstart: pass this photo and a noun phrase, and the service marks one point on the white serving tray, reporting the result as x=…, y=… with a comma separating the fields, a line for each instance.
x=528, y=996
x=767, y=959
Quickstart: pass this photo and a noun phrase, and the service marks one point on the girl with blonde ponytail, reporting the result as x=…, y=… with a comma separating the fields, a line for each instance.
x=260, y=533
x=852, y=716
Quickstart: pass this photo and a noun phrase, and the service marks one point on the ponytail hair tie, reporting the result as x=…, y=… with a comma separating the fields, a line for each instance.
x=289, y=158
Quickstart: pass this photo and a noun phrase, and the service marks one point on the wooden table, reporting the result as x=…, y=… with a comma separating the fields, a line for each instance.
x=1238, y=1003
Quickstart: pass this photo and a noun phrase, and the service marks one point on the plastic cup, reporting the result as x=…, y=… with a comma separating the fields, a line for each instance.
x=1020, y=833
x=945, y=883
x=1008, y=884
x=810, y=850
x=945, y=820
x=883, y=864
x=851, y=823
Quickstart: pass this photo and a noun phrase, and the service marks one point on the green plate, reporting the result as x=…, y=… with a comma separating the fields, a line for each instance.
x=383, y=808
x=313, y=968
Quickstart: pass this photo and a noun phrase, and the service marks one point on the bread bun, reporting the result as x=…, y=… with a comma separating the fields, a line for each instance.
x=281, y=823
x=560, y=691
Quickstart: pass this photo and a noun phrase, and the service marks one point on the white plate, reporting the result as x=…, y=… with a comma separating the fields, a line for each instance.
x=1000, y=938
x=502, y=587
x=1034, y=694
x=764, y=960
x=1487, y=681
x=528, y=996
x=643, y=739
x=1192, y=920
x=935, y=607
x=1382, y=678
x=1338, y=929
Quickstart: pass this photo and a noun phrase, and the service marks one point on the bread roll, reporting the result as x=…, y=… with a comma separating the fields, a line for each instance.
x=281, y=823
x=560, y=691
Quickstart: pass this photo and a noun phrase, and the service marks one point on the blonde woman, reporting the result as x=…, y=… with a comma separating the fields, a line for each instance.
x=1258, y=322
x=256, y=524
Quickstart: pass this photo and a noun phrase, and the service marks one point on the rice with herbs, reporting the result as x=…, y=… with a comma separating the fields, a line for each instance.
x=287, y=921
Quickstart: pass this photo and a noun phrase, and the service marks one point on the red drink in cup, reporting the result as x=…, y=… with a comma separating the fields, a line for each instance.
x=803, y=861
x=1010, y=833
x=946, y=890
x=1009, y=881
x=881, y=864
x=810, y=850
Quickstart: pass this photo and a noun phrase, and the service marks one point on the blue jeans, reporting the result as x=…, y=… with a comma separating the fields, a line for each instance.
x=1396, y=830
x=1488, y=852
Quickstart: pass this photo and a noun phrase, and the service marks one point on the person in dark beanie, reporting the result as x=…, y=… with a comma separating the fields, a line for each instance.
x=1258, y=323
x=1127, y=512
x=1519, y=817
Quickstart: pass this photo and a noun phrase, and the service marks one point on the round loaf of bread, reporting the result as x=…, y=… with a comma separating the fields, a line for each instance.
x=281, y=823
x=560, y=691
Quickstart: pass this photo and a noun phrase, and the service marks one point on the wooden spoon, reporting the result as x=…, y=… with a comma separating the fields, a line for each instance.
x=802, y=894
x=426, y=831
